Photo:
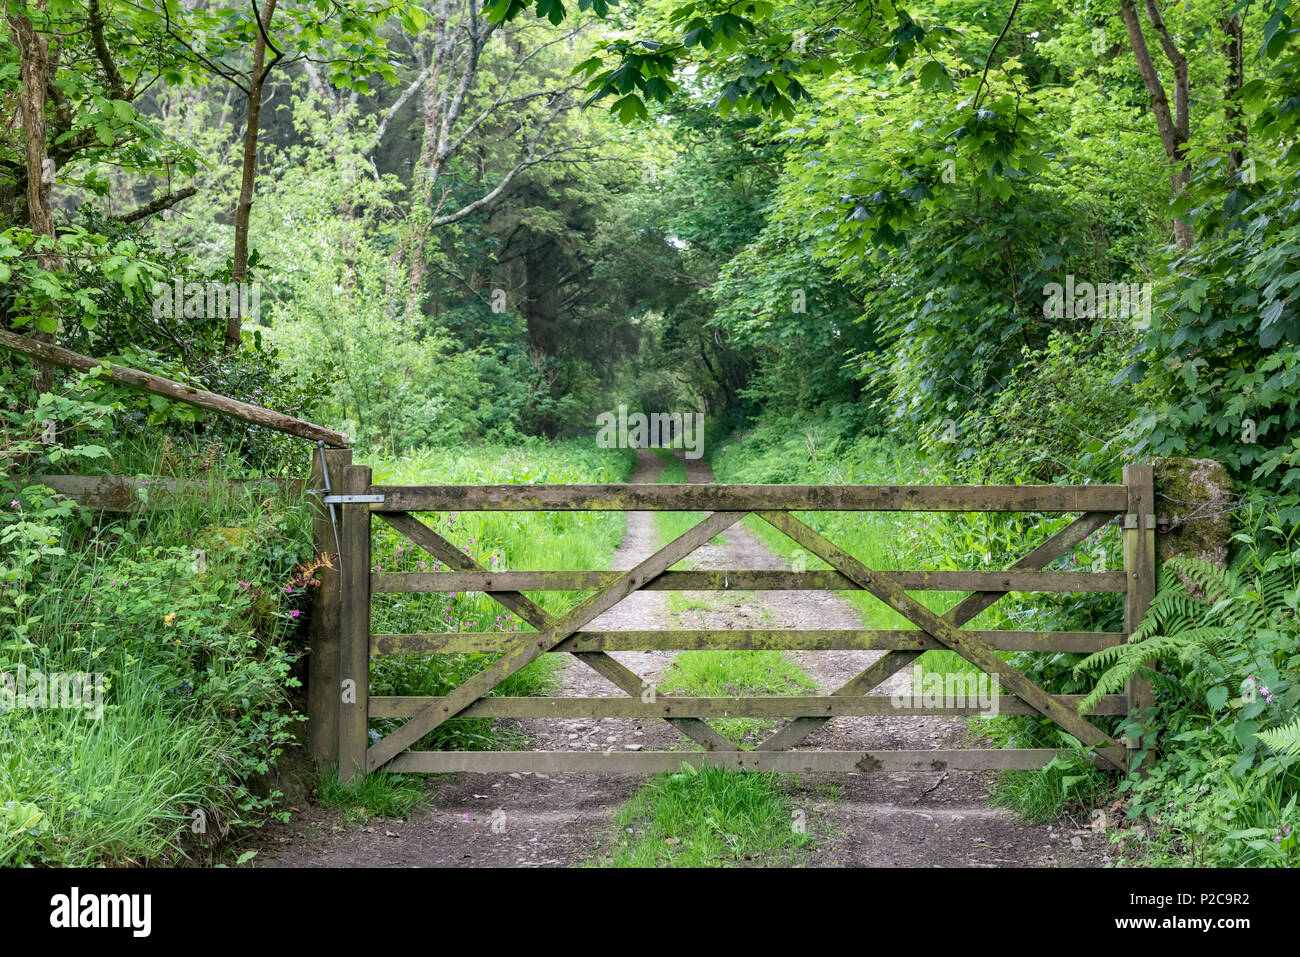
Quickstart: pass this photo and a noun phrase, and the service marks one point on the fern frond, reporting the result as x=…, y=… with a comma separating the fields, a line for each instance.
x=1284, y=740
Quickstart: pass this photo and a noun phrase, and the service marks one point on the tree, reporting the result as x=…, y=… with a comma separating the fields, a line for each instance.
x=460, y=98
x=213, y=41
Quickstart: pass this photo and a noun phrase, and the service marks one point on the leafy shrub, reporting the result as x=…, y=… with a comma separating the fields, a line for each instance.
x=1223, y=367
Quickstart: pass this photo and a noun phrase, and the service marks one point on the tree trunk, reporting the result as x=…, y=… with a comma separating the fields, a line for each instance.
x=35, y=73
x=1174, y=128
x=256, y=80
x=1232, y=112
x=428, y=167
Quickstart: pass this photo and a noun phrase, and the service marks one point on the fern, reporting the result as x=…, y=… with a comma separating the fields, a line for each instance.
x=1201, y=614
x=1284, y=740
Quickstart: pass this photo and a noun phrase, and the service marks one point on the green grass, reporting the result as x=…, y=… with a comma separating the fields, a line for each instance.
x=708, y=818
x=1042, y=794
x=725, y=674
x=195, y=669
x=734, y=673
x=377, y=795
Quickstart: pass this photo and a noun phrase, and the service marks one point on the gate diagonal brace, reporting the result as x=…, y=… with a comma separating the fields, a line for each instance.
x=968, y=646
x=532, y=646
x=965, y=610
x=537, y=616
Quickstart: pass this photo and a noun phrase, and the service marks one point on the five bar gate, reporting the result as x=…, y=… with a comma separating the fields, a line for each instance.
x=341, y=706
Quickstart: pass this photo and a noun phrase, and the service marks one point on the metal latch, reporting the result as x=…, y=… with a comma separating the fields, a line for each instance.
x=351, y=499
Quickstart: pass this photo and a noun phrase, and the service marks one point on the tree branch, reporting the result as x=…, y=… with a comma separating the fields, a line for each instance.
x=166, y=201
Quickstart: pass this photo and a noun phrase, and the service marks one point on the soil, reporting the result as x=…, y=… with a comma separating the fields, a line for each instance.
x=922, y=819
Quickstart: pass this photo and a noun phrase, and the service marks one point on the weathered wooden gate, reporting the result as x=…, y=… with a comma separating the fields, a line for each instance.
x=343, y=643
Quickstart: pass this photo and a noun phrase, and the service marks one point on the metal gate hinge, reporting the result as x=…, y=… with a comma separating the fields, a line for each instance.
x=351, y=499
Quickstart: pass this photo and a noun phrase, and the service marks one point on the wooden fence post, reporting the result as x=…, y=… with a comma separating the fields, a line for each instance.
x=354, y=631
x=323, y=663
x=1139, y=566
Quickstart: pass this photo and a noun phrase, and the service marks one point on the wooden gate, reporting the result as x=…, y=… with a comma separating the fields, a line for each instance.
x=343, y=642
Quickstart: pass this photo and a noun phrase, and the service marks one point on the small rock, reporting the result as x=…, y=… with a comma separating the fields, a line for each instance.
x=1076, y=843
x=634, y=747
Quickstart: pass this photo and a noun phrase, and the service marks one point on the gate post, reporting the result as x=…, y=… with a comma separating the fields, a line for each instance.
x=1139, y=567
x=323, y=661
x=354, y=629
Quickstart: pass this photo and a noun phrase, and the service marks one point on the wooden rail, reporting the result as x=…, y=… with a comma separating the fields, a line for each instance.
x=171, y=389
x=785, y=706
x=790, y=762
x=724, y=498
x=495, y=642
x=122, y=493
x=740, y=579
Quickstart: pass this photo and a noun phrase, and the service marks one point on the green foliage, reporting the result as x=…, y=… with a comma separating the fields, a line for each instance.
x=381, y=794
x=196, y=662
x=1066, y=782
x=1060, y=417
x=1225, y=643
x=1223, y=368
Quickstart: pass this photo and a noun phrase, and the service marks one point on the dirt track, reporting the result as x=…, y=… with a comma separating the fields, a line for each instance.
x=875, y=819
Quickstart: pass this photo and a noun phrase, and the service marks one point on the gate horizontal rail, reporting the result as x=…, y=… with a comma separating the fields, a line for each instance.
x=795, y=762
x=495, y=642
x=672, y=706
x=1010, y=692
x=730, y=498
x=744, y=580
